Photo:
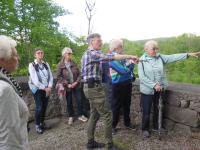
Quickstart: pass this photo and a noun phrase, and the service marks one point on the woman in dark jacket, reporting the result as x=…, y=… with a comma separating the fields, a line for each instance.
x=68, y=75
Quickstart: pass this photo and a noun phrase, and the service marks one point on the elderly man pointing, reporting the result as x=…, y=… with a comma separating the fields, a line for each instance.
x=91, y=77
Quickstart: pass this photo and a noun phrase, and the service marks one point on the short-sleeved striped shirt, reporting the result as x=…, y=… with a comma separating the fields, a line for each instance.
x=91, y=64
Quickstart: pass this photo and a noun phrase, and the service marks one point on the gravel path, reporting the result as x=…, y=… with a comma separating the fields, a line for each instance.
x=64, y=137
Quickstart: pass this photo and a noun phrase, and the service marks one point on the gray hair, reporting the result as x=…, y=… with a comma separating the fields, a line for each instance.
x=149, y=43
x=92, y=36
x=6, y=46
x=115, y=43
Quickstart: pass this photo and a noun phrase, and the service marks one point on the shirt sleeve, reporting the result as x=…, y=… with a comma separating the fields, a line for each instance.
x=98, y=56
x=118, y=67
x=34, y=77
x=174, y=57
x=10, y=117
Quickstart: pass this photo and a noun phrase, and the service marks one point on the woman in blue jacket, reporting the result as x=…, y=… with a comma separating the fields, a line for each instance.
x=153, y=81
x=121, y=74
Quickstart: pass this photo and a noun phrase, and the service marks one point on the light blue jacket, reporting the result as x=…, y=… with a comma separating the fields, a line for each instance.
x=151, y=70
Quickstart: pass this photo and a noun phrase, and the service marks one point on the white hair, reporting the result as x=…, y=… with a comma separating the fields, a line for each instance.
x=149, y=43
x=66, y=50
x=115, y=43
x=6, y=46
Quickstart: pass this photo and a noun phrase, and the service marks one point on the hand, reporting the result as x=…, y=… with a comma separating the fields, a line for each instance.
x=130, y=61
x=65, y=84
x=48, y=91
x=195, y=54
x=74, y=84
x=69, y=86
x=135, y=59
x=158, y=88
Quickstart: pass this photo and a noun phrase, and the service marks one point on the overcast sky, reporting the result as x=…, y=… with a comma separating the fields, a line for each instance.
x=134, y=19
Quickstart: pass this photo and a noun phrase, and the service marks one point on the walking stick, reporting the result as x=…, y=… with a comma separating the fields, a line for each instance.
x=160, y=114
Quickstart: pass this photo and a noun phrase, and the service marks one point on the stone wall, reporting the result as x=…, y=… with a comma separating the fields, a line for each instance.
x=181, y=111
x=54, y=107
x=182, y=107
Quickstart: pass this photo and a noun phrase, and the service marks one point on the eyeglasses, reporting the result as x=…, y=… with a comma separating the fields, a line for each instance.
x=155, y=49
x=68, y=53
x=39, y=52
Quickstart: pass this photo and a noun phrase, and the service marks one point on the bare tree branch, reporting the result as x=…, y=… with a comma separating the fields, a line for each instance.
x=89, y=13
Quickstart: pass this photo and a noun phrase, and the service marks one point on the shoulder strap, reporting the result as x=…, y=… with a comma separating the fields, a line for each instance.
x=37, y=71
x=45, y=65
x=35, y=66
x=143, y=67
x=162, y=60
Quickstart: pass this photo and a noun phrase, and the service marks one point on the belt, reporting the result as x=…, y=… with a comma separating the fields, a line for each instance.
x=92, y=83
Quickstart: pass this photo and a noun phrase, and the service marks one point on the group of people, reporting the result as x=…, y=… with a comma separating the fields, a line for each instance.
x=111, y=73
x=68, y=84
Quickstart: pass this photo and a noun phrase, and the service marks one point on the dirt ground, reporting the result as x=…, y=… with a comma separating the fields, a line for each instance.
x=62, y=136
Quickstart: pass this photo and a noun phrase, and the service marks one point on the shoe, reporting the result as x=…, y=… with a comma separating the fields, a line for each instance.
x=82, y=118
x=131, y=127
x=113, y=147
x=70, y=121
x=145, y=134
x=43, y=126
x=38, y=129
x=94, y=144
x=114, y=131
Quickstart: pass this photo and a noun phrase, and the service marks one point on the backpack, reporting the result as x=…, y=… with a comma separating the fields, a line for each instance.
x=120, y=73
x=36, y=66
x=32, y=87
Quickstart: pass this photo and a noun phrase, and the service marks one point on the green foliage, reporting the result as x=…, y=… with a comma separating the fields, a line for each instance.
x=32, y=24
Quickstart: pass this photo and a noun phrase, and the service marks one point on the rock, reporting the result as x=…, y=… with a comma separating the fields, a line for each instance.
x=181, y=115
x=169, y=124
x=184, y=129
x=172, y=99
x=185, y=103
x=195, y=106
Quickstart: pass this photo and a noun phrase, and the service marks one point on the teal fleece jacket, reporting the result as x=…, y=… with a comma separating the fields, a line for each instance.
x=151, y=70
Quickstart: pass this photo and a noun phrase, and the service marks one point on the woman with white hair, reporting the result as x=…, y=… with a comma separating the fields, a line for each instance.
x=68, y=75
x=153, y=81
x=121, y=75
x=13, y=110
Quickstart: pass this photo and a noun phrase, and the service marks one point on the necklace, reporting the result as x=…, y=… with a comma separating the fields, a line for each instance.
x=12, y=80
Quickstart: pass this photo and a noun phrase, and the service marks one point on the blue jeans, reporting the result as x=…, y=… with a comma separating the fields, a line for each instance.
x=41, y=102
x=76, y=92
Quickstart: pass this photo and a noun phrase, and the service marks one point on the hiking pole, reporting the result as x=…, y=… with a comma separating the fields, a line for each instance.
x=160, y=113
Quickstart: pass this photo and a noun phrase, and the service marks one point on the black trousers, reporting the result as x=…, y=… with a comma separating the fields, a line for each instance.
x=41, y=102
x=146, y=102
x=121, y=97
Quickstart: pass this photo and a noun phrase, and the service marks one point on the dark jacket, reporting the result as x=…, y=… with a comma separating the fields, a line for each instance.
x=62, y=74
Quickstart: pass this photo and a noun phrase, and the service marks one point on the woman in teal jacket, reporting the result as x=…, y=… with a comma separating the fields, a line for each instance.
x=153, y=81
